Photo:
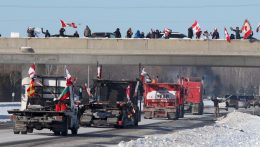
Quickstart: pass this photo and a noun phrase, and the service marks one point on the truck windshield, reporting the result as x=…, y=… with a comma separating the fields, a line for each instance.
x=112, y=92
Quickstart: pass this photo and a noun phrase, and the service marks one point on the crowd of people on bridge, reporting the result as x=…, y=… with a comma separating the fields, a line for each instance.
x=194, y=31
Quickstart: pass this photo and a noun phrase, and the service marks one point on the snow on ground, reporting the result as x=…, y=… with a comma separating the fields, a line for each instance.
x=4, y=106
x=236, y=129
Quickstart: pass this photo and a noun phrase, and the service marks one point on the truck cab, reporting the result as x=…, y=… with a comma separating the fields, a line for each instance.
x=113, y=103
x=41, y=111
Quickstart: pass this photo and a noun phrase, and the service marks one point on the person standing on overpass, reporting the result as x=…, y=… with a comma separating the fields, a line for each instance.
x=237, y=31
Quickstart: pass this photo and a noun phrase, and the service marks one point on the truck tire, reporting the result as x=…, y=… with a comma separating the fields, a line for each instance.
x=64, y=132
x=16, y=132
x=30, y=130
x=56, y=133
x=181, y=114
x=74, y=131
x=201, y=108
x=23, y=132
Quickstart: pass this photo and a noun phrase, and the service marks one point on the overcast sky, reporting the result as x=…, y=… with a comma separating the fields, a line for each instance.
x=107, y=15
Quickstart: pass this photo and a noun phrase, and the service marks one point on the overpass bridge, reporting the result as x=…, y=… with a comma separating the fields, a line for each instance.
x=182, y=52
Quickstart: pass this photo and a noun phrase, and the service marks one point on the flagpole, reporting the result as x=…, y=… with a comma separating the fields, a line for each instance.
x=88, y=76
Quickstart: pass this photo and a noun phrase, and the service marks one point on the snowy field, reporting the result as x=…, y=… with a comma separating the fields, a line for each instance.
x=4, y=106
x=236, y=129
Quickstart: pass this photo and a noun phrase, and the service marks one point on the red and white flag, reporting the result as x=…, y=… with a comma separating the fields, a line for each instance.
x=246, y=29
x=99, y=71
x=227, y=35
x=128, y=91
x=63, y=24
x=68, y=77
x=167, y=31
x=196, y=27
x=31, y=71
x=258, y=27
x=142, y=76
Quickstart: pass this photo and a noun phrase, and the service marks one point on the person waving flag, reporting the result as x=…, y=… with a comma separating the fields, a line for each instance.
x=246, y=29
x=227, y=35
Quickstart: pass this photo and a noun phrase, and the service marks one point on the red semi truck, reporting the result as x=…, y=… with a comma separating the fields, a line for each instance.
x=163, y=100
x=193, y=94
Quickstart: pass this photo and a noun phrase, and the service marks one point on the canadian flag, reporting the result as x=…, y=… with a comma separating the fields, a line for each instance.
x=257, y=29
x=31, y=71
x=128, y=91
x=246, y=29
x=196, y=27
x=68, y=77
x=63, y=24
x=143, y=74
x=227, y=35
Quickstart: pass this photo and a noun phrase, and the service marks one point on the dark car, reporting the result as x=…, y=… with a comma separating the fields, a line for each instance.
x=174, y=35
x=103, y=35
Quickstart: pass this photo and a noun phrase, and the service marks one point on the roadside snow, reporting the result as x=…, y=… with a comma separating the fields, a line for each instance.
x=236, y=129
x=4, y=106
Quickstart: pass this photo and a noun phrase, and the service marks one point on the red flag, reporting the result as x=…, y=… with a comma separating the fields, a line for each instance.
x=63, y=24
x=31, y=71
x=128, y=91
x=30, y=90
x=73, y=25
x=257, y=29
x=227, y=35
x=195, y=26
x=167, y=31
x=68, y=78
x=246, y=29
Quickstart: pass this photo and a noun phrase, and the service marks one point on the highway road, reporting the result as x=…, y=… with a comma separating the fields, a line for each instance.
x=104, y=136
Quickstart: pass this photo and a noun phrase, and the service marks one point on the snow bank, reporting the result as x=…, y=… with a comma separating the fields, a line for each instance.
x=237, y=129
x=4, y=106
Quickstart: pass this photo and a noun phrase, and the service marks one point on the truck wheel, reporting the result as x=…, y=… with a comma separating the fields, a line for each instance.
x=30, y=130
x=74, y=131
x=64, y=132
x=201, y=107
x=181, y=111
x=16, y=132
x=23, y=132
x=56, y=133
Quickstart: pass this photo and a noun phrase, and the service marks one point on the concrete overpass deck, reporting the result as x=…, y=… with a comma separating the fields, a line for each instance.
x=241, y=53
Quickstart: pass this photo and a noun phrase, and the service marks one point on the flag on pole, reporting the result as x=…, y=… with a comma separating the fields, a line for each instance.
x=63, y=24
x=68, y=78
x=258, y=27
x=136, y=88
x=31, y=71
x=142, y=76
x=30, y=90
x=227, y=35
x=65, y=94
x=246, y=29
x=99, y=71
x=128, y=92
x=196, y=27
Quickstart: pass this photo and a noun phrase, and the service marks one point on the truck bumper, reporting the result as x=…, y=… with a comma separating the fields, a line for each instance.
x=158, y=112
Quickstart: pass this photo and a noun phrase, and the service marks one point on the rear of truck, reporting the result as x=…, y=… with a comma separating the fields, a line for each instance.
x=40, y=111
x=193, y=95
x=162, y=100
x=114, y=103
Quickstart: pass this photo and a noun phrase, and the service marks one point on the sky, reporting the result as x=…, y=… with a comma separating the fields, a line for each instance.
x=107, y=15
